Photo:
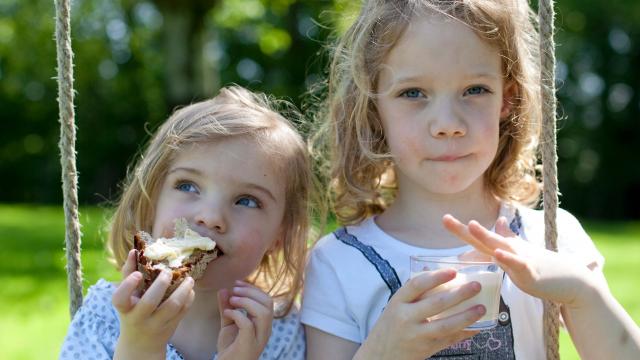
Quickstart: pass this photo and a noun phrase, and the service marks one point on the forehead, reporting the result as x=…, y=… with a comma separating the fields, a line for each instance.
x=238, y=159
x=438, y=45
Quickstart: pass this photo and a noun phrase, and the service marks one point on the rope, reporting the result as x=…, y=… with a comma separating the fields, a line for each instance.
x=549, y=159
x=67, y=146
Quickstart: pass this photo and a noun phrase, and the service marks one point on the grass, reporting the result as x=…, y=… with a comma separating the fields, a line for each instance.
x=34, y=297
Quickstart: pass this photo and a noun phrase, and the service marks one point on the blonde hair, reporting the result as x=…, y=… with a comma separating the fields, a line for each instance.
x=234, y=112
x=361, y=171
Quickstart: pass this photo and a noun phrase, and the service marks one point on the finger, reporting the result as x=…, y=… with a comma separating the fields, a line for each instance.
x=513, y=264
x=153, y=296
x=488, y=238
x=261, y=316
x=253, y=292
x=223, y=304
x=121, y=298
x=176, y=301
x=435, y=303
x=173, y=322
x=130, y=263
x=254, y=309
x=450, y=325
x=246, y=330
x=418, y=285
x=462, y=232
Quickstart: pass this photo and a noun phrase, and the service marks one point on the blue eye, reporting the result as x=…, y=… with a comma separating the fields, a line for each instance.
x=249, y=202
x=412, y=94
x=187, y=187
x=476, y=90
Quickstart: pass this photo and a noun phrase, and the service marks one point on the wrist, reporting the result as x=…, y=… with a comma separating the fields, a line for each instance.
x=589, y=296
x=136, y=350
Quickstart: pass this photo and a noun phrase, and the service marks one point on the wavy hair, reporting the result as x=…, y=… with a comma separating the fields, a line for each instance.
x=234, y=112
x=351, y=135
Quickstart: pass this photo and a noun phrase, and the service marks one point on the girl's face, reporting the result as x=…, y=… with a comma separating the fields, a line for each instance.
x=441, y=97
x=230, y=191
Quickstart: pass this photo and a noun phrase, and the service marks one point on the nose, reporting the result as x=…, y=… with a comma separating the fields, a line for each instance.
x=446, y=121
x=212, y=217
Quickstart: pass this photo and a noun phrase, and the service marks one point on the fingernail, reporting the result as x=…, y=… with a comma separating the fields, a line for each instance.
x=476, y=286
x=237, y=289
x=136, y=275
x=480, y=309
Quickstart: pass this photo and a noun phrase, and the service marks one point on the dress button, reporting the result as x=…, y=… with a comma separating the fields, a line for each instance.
x=503, y=317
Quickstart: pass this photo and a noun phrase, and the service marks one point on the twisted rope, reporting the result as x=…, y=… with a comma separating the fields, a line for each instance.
x=549, y=159
x=67, y=147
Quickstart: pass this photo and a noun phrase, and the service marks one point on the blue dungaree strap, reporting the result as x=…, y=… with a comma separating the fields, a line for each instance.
x=386, y=271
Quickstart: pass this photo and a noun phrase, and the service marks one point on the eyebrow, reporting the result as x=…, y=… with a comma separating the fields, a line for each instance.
x=241, y=184
x=414, y=78
x=185, y=169
x=259, y=188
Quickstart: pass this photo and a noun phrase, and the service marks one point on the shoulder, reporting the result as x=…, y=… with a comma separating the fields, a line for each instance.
x=287, y=338
x=334, y=243
x=567, y=224
x=98, y=301
x=94, y=328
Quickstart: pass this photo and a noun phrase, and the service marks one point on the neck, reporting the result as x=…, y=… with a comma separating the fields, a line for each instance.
x=416, y=213
x=197, y=333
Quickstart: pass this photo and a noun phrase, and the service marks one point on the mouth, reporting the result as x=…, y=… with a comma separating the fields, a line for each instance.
x=449, y=157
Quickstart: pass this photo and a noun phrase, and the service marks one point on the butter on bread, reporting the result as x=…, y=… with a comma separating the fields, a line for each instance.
x=186, y=254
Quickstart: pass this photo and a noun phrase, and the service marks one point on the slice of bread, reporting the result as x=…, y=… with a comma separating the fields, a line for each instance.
x=192, y=262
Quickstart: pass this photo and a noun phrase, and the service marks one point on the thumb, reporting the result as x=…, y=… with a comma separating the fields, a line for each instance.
x=223, y=304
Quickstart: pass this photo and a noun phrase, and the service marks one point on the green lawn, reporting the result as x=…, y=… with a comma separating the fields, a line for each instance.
x=34, y=295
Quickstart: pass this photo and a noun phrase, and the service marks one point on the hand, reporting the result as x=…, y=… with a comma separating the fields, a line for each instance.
x=246, y=314
x=147, y=323
x=535, y=270
x=403, y=331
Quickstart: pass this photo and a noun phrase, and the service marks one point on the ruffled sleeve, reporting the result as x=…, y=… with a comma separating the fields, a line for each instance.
x=94, y=330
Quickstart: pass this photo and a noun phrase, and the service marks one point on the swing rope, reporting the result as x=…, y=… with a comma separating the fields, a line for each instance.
x=549, y=159
x=67, y=147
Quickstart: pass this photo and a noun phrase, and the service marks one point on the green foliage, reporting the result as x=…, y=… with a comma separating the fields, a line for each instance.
x=276, y=46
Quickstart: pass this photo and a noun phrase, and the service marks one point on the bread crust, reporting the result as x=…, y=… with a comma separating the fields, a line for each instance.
x=194, y=266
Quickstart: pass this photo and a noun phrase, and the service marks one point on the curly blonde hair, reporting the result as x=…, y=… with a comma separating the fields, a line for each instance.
x=234, y=112
x=351, y=134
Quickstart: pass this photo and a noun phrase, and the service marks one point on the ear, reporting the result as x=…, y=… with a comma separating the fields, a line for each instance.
x=508, y=96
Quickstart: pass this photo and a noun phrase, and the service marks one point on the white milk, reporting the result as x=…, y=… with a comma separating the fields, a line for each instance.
x=489, y=296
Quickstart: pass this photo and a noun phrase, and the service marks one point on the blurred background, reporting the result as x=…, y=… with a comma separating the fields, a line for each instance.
x=136, y=60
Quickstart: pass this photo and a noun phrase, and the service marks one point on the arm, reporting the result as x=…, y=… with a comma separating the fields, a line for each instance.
x=599, y=326
x=600, y=316
x=322, y=345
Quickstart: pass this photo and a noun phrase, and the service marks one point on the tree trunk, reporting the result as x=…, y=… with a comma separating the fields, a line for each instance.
x=189, y=74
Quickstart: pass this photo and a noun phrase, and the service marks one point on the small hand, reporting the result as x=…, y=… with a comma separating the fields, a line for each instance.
x=403, y=331
x=246, y=314
x=535, y=270
x=147, y=323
